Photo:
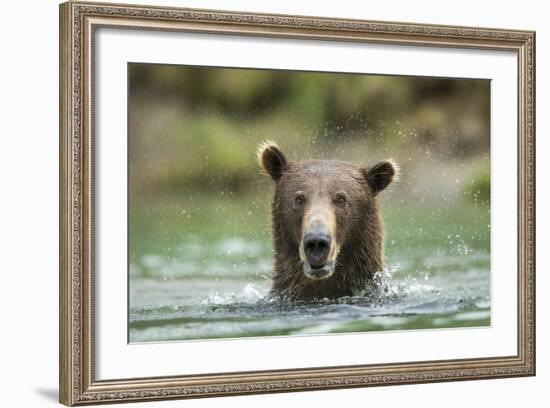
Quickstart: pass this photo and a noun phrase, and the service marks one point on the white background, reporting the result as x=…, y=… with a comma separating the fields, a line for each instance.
x=28, y=214
x=116, y=359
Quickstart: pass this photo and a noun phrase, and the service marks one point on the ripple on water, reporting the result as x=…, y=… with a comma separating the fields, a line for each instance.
x=205, y=308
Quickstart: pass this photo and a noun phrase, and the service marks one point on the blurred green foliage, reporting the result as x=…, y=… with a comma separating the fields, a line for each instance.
x=479, y=188
x=197, y=128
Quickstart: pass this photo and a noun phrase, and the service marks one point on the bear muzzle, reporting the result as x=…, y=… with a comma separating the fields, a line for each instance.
x=319, y=273
x=317, y=246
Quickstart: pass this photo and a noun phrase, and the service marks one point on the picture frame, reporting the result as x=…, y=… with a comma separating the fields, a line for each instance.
x=79, y=294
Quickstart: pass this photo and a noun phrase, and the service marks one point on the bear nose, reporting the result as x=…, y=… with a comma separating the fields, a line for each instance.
x=316, y=248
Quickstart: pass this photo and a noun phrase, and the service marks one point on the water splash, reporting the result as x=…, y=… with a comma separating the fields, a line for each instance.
x=201, y=289
x=250, y=293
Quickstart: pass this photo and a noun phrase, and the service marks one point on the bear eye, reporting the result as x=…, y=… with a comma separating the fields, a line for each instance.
x=340, y=199
x=299, y=199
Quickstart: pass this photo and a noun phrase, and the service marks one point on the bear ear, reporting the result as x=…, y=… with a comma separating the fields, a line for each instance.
x=381, y=175
x=272, y=160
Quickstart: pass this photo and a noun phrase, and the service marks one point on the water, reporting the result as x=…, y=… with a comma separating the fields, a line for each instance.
x=199, y=308
x=188, y=281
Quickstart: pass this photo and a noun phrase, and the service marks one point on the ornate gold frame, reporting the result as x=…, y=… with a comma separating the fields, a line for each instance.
x=78, y=22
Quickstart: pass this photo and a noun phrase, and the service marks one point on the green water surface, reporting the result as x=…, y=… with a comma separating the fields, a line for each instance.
x=200, y=267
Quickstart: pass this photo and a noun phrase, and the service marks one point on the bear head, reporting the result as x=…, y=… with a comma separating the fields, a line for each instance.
x=326, y=222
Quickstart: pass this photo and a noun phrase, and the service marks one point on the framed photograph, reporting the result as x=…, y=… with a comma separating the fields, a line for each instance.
x=256, y=203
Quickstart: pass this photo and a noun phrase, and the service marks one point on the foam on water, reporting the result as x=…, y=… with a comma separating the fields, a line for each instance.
x=229, y=307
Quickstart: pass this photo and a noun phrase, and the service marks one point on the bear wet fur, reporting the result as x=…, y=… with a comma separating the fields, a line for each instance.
x=327, y=232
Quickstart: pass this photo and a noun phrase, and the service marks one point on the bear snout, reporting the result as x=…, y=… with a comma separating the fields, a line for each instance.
x=316, y=248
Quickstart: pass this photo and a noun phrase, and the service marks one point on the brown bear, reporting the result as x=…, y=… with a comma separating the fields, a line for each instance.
x=326, y=226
